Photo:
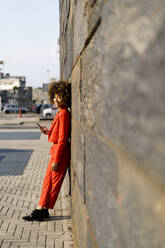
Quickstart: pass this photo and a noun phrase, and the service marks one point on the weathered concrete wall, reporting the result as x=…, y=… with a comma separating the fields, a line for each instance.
x=113, y=52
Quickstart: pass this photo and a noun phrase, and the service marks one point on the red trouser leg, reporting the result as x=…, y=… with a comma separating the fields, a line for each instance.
x=57, y=180
x=46, y=187
x=52, y=184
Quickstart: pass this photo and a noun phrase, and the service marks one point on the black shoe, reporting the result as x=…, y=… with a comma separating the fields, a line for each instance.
x=45, y=213
x=38, y=215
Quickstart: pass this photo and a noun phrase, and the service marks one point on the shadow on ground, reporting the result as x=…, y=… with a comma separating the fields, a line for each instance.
x=59, y=218
x=52, y=218
x=19, y=135
x=13, y=161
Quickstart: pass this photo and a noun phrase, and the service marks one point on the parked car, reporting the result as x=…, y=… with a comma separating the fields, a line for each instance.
x=41, y=107
x=49, y=112
x=11, y=108
x=38, y=108
x=46, y=106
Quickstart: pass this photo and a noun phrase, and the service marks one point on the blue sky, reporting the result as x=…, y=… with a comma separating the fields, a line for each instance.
x=29, y=32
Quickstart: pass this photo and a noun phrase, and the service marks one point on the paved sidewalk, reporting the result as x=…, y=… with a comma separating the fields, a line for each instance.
x=14, y=119
x=23, y=164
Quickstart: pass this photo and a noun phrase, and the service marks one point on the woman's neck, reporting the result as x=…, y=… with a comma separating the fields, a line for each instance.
x=59, y=108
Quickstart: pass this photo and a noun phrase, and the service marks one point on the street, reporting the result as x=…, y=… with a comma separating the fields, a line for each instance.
x=24, y=155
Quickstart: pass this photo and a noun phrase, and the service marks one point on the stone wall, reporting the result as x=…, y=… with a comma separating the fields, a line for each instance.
x=113, y=52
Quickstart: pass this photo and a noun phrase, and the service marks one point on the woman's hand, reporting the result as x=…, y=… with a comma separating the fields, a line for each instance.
x=44, y=130
x=55, y=166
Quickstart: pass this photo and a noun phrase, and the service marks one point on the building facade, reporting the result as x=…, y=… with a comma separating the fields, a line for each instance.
x=13, y=90
x=23, y=96
x=40, y=95
x=9, y=82
x=113, y=52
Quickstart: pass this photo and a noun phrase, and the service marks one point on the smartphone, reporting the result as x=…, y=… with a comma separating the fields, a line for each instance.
x=38, y=124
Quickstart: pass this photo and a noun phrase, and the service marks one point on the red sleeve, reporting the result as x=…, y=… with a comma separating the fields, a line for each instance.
x=62, y=136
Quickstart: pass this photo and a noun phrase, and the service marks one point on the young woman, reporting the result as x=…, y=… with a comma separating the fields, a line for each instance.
x=58, y=134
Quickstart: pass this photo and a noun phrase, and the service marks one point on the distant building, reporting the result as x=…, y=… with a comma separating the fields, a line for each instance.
x=45, y=87
x=37, y=95
x=8, y=82
x=1, y=75
x=40, y=95
x=13, y=90
x=6, y=96
x=24, y=97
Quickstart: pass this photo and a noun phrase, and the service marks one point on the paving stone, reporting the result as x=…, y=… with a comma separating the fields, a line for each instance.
x=19, y=195
x=68, y=244
x=50, y=242
x=5, y=245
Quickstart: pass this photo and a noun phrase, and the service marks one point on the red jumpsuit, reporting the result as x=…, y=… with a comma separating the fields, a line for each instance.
x=58, y=134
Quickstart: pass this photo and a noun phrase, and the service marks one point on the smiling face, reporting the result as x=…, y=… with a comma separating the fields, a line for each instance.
x=60, y=94
x=57, y=100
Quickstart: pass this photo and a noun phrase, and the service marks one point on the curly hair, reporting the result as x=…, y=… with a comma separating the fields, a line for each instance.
x=63, y=89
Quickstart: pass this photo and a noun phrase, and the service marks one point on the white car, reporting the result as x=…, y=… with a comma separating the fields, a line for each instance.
x=11, y=108
x=49, y=112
